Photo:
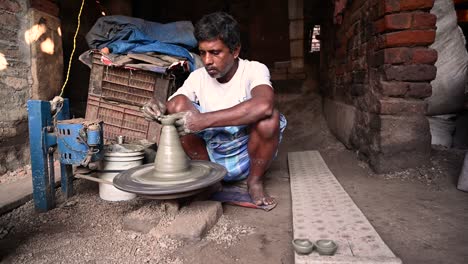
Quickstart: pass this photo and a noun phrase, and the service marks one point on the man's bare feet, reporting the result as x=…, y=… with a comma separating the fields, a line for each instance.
x=257, y=194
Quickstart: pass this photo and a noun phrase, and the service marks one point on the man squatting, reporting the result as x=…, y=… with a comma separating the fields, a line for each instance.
x=226, y=109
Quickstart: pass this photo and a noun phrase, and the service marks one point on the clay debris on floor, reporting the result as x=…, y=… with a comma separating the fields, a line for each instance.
x=88, y=229
x=16, y=175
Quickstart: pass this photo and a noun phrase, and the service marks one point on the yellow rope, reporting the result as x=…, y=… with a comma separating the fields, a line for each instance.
x=74, y=47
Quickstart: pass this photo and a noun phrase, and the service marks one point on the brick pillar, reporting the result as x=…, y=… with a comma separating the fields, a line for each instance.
x=405, y=68
x=296, y=34
x=381, y=67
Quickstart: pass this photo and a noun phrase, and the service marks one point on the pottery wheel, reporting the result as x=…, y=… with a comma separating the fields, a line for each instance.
x=144, y=180
x=172, y=175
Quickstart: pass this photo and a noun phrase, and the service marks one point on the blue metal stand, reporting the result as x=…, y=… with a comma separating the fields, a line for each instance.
x=42, y=145
x=78, y=143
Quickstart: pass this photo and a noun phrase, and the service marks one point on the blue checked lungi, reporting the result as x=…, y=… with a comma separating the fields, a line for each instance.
x=227, y=146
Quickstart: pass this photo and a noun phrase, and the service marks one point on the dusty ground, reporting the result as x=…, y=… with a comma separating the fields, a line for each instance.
x=418, y=213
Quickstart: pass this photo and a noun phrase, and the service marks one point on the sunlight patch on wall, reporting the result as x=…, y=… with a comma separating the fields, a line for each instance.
x=34, y=33
x=47, y=46
x=3, y=62
x=59, y=31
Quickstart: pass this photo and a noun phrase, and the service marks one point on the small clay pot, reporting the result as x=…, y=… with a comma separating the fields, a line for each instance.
x=303, y=246
x=326, y=247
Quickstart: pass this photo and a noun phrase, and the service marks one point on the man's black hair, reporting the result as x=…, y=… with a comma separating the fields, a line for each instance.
x=218, y=25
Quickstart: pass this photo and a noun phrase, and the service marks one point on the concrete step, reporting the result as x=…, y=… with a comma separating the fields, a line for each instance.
x=17, y=193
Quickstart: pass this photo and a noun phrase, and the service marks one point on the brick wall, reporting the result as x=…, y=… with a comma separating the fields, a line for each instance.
x=15, y=81
x=378, y=64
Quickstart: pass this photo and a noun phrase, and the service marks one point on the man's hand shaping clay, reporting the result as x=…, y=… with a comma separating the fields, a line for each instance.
x=186, y=122
x=153, y=109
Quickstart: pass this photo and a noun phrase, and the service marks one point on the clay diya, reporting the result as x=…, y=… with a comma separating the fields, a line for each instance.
x=326, y=247
x=303, y=246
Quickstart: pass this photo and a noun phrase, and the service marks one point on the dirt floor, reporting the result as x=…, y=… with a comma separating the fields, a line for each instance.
x=419, y=213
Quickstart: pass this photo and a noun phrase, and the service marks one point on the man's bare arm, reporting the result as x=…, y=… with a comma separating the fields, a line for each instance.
x=259, y=107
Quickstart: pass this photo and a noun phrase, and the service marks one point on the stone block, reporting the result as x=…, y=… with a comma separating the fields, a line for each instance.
x=397, y=55
x=143, y=219
x=422, y=20
x=393, y=106
x=404, y=142
x=404, y=133
x=419, y=90
x=194, y=221
x=394, y=22
x=406, y=5
x=415, y=72
x=407, y=38
x=395, y=89
x=341, y=119
x=390, y=6
x=424, y=56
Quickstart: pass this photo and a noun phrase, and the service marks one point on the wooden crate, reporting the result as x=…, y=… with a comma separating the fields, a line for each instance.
x=116, y=95
x=121, y=120
x=133, y=87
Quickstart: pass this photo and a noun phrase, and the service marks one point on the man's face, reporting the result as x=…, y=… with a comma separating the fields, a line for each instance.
x=217, y=57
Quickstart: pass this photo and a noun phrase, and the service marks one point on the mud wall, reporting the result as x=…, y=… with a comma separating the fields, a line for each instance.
x=376, y=71
x=15, y=84
x=30, y=67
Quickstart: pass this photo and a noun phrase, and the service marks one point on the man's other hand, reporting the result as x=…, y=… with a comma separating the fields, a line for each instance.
x=153, y=109
x=186, y=122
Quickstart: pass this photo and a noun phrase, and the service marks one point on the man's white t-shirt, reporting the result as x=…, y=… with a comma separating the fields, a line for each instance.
x=211, y=95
